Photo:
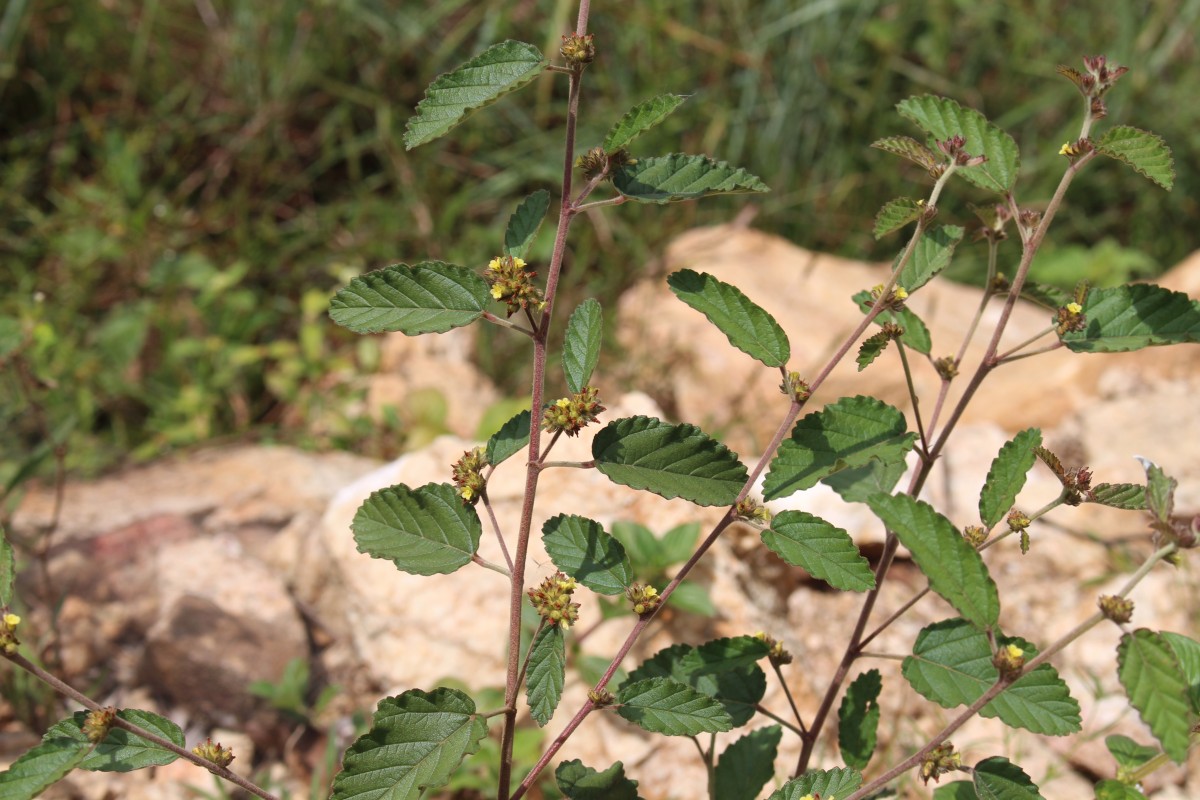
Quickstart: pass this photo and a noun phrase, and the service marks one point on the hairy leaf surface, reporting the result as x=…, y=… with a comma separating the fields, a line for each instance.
x=578, y=782
x=858, y=719
x=997, y=778
x=580, y=547
x=748, y=327
x=41, y=766
x=661, y=705
x=682, y=177
x=930, y=256
x=829, y=784
x=1129, y=496
x=823, y=550
x=916, y=334
x=1188, y=652
x=1154, y=680
x=430, y=297
x=122, y=751
x=511, y=439
x=1006, y=478
x=641, y=118
x=897, y=213
x=1146, y=152
x=747, y=765
x=547, y=673
x=424, y=531
x=856, y=484
x=1124, y=318
x=524, y=223
x=724, y=670
x=581, y=345
x=942, y=118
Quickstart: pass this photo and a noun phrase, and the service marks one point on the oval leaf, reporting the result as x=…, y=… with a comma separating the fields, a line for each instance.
x=845, y=434
x=682, y=177
x=858, y=719
x=1153, y=678
x=41, y=766
x=930, y=256
x=828, y=784
x=910, y=148
x=857, y=484
x=955, y=569
x=1129, y=496
x=430, y=297
x=581, y=346
x=547, y=672
x=423, y=531
x=416, y=742
x=897, y=213
x=524, y=223
x=724, y=669
x=640, y=119
x=748, y=327
x=660, y=705
x=1188, y=652
x=824, y=551
x=916, y=334
x=511, y=439
x=669, y=460
x=488, y=76
x=997, y=778
x=747, y=765
x=579, y=547
x=1146, y=152
x=942, y=118
x=578, y=782
x=1128, y=754
x=122, y=751
x=1006, y=478
x=1124, y=318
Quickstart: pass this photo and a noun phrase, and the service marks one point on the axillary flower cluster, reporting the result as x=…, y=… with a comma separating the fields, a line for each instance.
x=8, y=631
x=552, y=600
x=512, y=284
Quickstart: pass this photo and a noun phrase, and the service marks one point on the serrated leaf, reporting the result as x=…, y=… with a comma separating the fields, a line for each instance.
x=955, y=569
x=1006, y=477
x=578, y=782
x=724, y=655
x=823, y=550
x=748, y=327
x=122, y=751
x=1124, y=318
x=416, y=742
x=1128, y=754
x=897, y=213
x=910, y=148
x=952, y=665
x=8, y=569
x=737, y=687
x=641, y=118
x=843, y=435
x=579, y=547
x=546, y=674
x=682, y=177
x=424, y=531
x=1146, y=152
x=1045, y=295
x=1188, y=652
x=669, y=460
x=997, y=778
x=495, y=72
x=747, y=765
x=524, y=223
x=661, y=705
x=943, y=118
x=511, y=439
x=430, y=297
x=1129, y=496
x=916, y=334
x=855, y=485
x=581, y=345
x=41, y=766
x=1160, y=491
x=871, y=348
x=1157, y=687
x=1115, y=790
x=830, y=784
x=930, y=256
x=858, y=719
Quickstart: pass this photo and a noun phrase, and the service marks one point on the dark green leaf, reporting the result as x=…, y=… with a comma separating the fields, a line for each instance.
x=830, y=784
x=871, y=348
x=931, y=255
x=1124, y=318
x=581, y=346
x=430, y=297
x=547, y=672
x=1188, y=652
x=479, y=82
x=8, y=569
x=736, y=688
x=997, y=778
x=669, y=460
x=824, y=551
x=858, y=719
x=682, y=177
x=857, y=484
x=1128, y=754
x=660, y=705
x=1115, y=790
x=897, y=213
x=1128, y=496
x=942, y=118
x=122, y=751
x=1157, y=687
x=42, y=765
x=955, y=569
x=1006, y=478
x=747, y=326
x=640, y=119
x=511, y=439
x=916, y=334
x=845, y=434
x=580, y=548
x=724, y=655
x=578, y=782
x=524, y=223
x=423, y=531
x=747, y=765
x=1146, y=152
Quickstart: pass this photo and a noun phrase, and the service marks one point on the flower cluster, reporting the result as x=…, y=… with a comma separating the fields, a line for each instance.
x=597, y=161
x=1009, y=659
x=1116, y=608
x=895, y=299
x=8, y=631
x=643, y=598
x=214, y=752
x=750, y=510
x=1069, y=318
x=941, y=759
x=98, y=723
x=552, y=600
x=572, y=414
x=578, y=51
x=512, y=284
x=468, y=475
x=1095, y=83
x=776, y=652
x=794, y=387
x=953, y=147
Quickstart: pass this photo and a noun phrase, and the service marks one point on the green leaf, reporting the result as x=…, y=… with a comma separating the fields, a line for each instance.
x=747, y=326
x=682, y=177
x=41, y=766
x=547, y=672
x=723, y=671
x=416, y=742
x=1154, y=680
x=524, y=223
x=942, y=118
x=930, y=256
x=1115, y=790
x=914, y=151
x=644, y=549
x=916, y=335
x=1006, y=478
x=511, y=439
x=122, y=751
x=725, y=655
x=423, y=531
x=1128, y=754
x=578, y=782
x=8, y=569
x=660, y=705
x=1146, y=152
x=858, y=719
x=747, y=765
x=694, y=599
x=1129, y=496
x=579, y=547
x=1188, y=652
x=581, y=346
x=430, y=297
x=897, y=213
x=857, y=484
x=824, y=551
x=871, y=348
x=830, y=784
x=641, y=118
x=955, y=569
x=952, y=665
x=1124, y=318
x=1045, y=295
x=479, y=82
x=678, y=544
x=957, y=790
x=997, y=778
x=669, y=460
x=845, y=434
x=1160, y=491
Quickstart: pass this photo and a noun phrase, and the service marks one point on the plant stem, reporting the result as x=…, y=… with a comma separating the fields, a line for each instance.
x=791, y=701
x=766, y=712
x=1028, y=341
x=490, y=317
x=483, y=562
x=491, y=512
x=912, y=395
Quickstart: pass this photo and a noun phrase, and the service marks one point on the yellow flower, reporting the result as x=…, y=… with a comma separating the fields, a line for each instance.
x=1014, y=652
x=12, y=620
x=1065, y=150
x=497, y=291
x=900, y=293
x=1074, y=308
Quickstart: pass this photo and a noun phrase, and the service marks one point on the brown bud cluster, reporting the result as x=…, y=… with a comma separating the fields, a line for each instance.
x=552, y=600
x=941, y=759
x=214, y=752
x=794, y=387
x=1009, y=659
x=467, y=474
x=953, y=147
x=643, y=598
x=1100, y=76
x=98, y=723
x=750, y=510
x=777, y=653
x=512, y=284
x=578, y=51
x=572, y=414
x=1118, y=609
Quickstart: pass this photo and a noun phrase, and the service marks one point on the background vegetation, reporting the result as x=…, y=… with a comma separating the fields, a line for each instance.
x=183, y=182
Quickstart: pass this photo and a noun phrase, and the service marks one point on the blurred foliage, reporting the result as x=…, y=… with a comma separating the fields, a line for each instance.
x=183, y=182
